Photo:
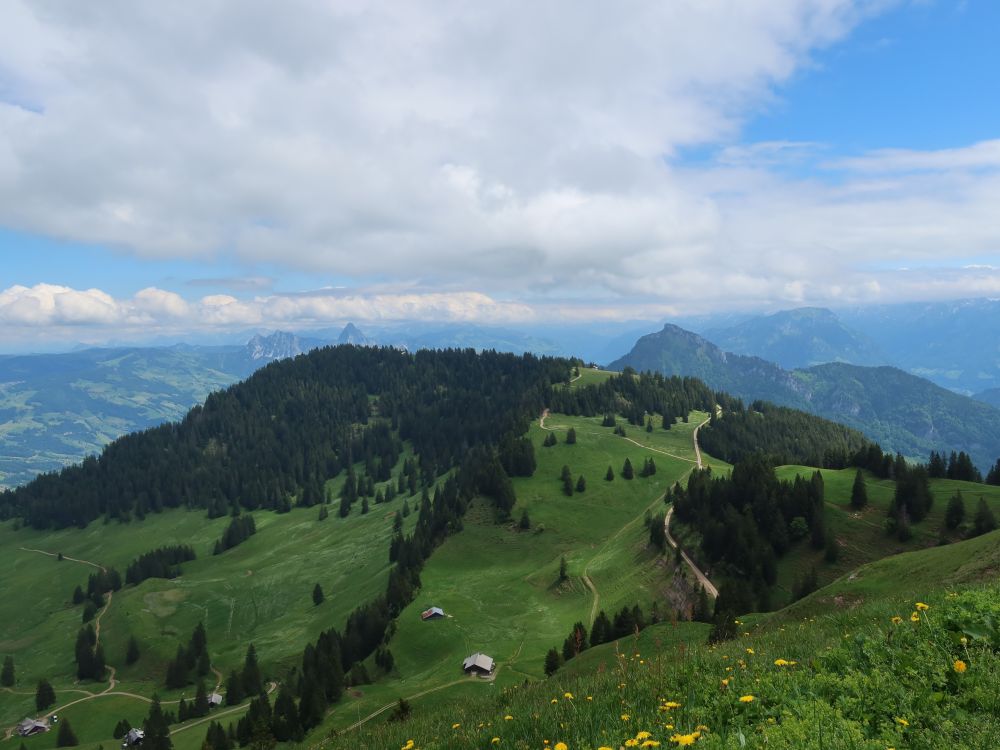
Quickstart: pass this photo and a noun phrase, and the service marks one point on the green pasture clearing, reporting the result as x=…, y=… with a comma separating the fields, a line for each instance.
x=849, y=677
x=499, y=585
x=259, y=591
x=590, y=376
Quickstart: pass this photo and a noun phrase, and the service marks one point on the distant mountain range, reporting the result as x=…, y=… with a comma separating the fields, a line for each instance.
x=901, y=411
x=799, y=338
x=57, y=408
x=954, y=344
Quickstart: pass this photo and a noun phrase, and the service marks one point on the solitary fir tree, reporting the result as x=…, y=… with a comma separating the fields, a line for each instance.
x=45, y=696
x=66, y=737
x=318, y=595
x=859, y=495
x=610, y=476
x=7, y=673
x=552, y=662
x=955, y=512
x=627, y=471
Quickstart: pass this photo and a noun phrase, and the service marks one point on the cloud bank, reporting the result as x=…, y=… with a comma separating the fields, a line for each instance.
x=520, y=150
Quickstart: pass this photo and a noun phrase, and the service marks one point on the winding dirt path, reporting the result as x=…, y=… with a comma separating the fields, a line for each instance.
x=218, y=714
x=387, y=706
x=702, y=578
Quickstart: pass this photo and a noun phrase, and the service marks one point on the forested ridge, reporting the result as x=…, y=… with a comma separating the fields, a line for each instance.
x=280, y=434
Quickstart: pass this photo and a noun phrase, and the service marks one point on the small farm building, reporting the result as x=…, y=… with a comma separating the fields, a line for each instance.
x=432, y=614
x=29, y=727
x=480, y=664
x=134, y=738
x=214, y=700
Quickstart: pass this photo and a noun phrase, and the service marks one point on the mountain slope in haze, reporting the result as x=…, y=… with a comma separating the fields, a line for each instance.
x=990, y=396
x=900, y=411
x=57, y=408
x=956, y=344
x=798, y=338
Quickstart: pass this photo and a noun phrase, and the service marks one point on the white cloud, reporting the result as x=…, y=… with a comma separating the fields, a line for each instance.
x=519, y=150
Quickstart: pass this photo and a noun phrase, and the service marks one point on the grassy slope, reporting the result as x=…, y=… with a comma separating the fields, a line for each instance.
x=860, y=533
x=855, y=675
x=500, y=585
x=259, y=591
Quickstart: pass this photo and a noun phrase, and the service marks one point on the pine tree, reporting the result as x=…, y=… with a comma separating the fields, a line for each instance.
x=955, y=512
x=66, y=737
x=859, y=494
x=627, y=471
x=7, y=673
x=610, y=476
x=552, y=662
x=252, y=681
x=567, y=485
x=318, y=595
x=364, y=505
x=525, y=523
x=581, y=484
x=45, y=696
x=121, y=729
x=200, y=706
x=984, y=522
x=234, y=689
x=600, y=631
x=562, y=568
x=570, y=436
x=993, y=475
x=156, y=728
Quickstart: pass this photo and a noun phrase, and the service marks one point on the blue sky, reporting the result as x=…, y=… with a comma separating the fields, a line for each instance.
x=490, y=165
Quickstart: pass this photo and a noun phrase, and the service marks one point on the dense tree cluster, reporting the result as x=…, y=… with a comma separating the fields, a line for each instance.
x=164, y=562
x=635, y=396
x=786, y=436
x=239, y=530
x=751, y=518
x=296, y=423
x=958, y=466
x=628, y=621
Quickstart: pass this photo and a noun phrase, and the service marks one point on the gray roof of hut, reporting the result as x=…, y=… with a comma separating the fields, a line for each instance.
x=480, y=661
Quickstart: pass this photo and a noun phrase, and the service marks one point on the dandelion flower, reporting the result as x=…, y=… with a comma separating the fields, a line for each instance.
x=747, y=699
x=590, y=697
x=650, y=743
x=783, y=663
x=902, y=722
x=625, y=717
x=750, y=651
x=508, y=717
x=921, y=606
x=896, y=619
x=667, y=705
x=684, y=739
x=554, y=700
x=561, y=746
x=495, y=741
x=725, y=682
x=915, y=617
x=456, y=725
x=959, y=666
x=631, y=743
x=409, y=745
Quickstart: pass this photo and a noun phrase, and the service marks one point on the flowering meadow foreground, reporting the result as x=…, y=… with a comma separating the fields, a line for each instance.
x=900, y=674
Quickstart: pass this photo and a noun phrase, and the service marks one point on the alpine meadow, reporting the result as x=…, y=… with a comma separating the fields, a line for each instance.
x=500, y=376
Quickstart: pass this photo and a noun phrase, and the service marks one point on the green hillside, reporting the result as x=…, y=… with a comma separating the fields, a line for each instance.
x=834, y=671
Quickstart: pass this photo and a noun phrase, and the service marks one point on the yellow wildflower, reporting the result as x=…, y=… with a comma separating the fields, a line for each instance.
x=747, y=699
x=668, y=705
x=684, y=739
x=631, y=743
x=959, y=665
x=409, y=745
x=915, y=617
x=624, y=717
x=568, y=696
x=650, y=743
x=561, y=746
x=784, y=663
x=554, y=700
x=902, y=722
x=590, y=697
x=508, y=717
x=921, y=606
x=456, y=725
x=896, y=619
x=701, y=728
x=643, y=735
x=495, y=741
x=725, y=682
x=750, y=651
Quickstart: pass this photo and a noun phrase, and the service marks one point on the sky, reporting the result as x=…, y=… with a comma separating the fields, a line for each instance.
x=186, y=169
